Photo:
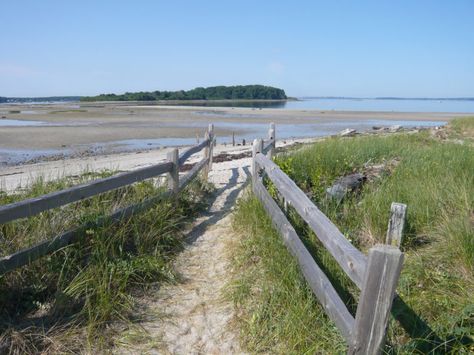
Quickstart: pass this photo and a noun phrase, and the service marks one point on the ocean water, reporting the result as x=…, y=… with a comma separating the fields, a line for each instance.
x=248, y=132
x=391, y=105
x=328, y=104
x=15, y=123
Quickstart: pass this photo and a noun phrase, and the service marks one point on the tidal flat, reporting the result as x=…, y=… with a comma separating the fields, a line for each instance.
x=34, y=131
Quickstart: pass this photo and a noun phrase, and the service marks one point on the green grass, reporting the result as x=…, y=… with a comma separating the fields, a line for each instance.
x=434, y=178
x=277, y=311
x=86, y=288
x=463, y=127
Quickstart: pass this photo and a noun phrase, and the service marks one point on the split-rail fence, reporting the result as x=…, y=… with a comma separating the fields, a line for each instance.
x=376, y=274
x=34, y=206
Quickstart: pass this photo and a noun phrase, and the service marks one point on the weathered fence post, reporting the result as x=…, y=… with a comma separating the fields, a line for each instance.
x=173, y=175
x=271, y=135
x=396, y=223
x=257, y=147
x=378, y=289
x=205, y=171
x=233, y=139
x=208, y=151
x=211, y=147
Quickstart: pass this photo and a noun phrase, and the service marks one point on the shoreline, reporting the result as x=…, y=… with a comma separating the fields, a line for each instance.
x=16, y=177
x=47, y=131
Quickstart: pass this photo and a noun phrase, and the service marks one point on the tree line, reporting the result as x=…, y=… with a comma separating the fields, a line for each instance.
x=238, y=92
x=39, y=99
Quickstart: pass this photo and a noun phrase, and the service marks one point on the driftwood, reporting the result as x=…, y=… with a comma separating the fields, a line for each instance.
x=395, y=128
x=348, y=132
x=345, y=185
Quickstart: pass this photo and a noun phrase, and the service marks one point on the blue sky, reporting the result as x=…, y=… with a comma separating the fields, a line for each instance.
x=342, y=48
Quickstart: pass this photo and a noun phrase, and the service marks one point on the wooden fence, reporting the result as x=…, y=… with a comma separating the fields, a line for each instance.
x=376, y=275
x=33, y=206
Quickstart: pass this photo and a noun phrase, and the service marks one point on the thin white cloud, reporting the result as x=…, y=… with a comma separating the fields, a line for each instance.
x=276, y=67
x=9, y=70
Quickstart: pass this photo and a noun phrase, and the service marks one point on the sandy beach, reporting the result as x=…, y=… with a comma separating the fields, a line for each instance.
x=56, y=131
x=17, y=177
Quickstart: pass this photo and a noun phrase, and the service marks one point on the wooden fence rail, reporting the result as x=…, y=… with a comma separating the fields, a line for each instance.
x=376, y=275
x=33, y=206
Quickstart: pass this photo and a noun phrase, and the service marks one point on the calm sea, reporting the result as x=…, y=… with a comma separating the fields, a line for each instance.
x=428, y=105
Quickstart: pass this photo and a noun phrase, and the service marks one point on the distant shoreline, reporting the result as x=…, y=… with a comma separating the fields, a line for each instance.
x=387, y=98
x=76, y=100
x=188, y=102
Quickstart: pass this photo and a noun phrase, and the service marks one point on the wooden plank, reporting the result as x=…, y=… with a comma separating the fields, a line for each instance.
x=26, y=256
x=351, y=260
x=396, y=224
x=317, y=280
x=373, y=312
x=212, y=141
x=257, y=147
x=272, y=138
x=186, y=179
x=267, y=145
x=205, y=173
x=193, y=150
x=173, y=175
x=33, y=206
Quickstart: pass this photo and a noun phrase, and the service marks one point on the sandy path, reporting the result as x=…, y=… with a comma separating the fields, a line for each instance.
x=193, y=317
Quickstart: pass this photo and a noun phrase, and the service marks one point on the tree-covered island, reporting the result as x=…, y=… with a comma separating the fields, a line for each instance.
x=238, y=92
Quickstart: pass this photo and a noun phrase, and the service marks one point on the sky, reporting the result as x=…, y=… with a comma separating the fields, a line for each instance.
x=406, y=48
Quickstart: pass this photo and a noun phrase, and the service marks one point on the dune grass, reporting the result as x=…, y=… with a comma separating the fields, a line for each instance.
x=277, y=312
x=434, y=178
x=463, y=127
x=84, y=289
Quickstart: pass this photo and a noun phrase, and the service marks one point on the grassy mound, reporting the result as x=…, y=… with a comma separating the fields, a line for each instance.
x=85, y=288
x=434, y=178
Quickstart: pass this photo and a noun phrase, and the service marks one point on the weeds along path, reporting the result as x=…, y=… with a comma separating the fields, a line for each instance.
x=192, y=316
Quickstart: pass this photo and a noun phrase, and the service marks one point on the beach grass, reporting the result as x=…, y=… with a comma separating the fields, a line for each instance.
x=73, y=299
x=434, y=177
x=463, y=127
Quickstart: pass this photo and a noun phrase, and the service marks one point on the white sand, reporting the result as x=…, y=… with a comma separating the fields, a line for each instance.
x=18, y=177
